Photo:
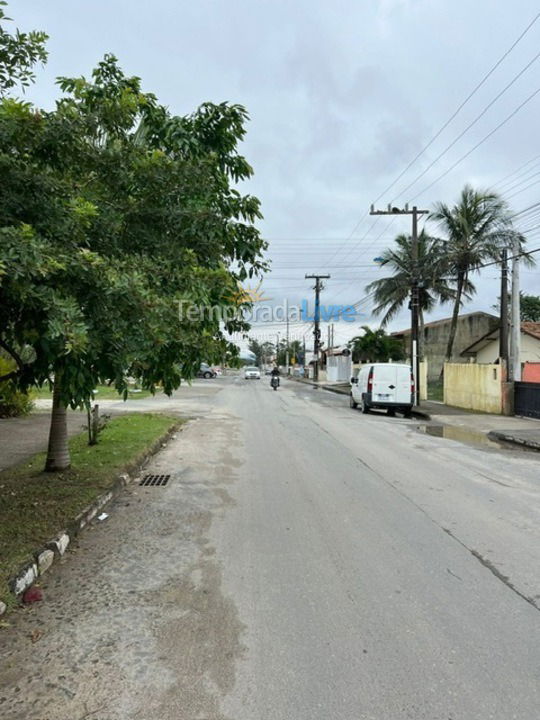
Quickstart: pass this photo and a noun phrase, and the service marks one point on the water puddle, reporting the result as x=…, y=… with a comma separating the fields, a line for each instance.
x=460, y=434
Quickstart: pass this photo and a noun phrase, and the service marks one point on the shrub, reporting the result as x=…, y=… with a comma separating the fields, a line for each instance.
x=12, y=402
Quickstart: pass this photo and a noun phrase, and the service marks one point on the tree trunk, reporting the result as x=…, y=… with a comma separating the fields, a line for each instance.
x=422, y=335
x=58, y=451
x=455, y=313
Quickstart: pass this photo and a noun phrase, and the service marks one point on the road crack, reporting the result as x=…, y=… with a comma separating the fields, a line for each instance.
x=493, y=569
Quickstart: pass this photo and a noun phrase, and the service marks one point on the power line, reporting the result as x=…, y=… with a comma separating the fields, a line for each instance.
x=460, y=107
x=470, y=125
x=521, y=167
x=478, y=144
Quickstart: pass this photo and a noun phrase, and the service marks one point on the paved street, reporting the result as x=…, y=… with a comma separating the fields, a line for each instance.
x=305, y=562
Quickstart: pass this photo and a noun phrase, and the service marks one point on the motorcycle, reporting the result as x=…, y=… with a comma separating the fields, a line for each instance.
x=274, y=382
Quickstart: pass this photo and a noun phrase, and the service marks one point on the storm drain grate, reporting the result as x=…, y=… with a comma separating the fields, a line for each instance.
x=153, y=480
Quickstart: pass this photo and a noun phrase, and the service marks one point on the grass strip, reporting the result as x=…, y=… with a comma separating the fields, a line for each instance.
x=35, y=505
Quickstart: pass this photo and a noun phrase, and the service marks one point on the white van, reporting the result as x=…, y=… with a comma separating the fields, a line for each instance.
x=383, y=385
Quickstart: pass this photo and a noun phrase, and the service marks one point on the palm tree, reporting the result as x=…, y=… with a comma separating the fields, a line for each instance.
x=393, y=292
x=476, y=228
x=375, y=346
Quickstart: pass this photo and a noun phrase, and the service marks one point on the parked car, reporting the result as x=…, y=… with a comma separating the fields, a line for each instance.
x=252, y=373
x=217, y=370
x=205, y=371
x=383, y=385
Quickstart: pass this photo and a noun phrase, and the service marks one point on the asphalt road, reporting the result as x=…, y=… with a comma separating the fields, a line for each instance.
x=305, y=562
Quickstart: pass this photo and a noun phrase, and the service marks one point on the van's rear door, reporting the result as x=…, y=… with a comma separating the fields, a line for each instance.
x=384, y=383
x=403, y=385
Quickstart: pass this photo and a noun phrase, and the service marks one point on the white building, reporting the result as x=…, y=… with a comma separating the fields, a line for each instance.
x=486, y=349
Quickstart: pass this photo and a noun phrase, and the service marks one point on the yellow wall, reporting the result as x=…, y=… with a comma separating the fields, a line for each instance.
x=473, y=386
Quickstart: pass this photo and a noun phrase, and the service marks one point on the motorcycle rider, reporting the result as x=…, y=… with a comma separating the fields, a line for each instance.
x=275, y=374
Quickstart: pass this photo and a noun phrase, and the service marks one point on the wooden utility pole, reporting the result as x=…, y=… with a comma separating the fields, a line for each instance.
x=415, y=289
x=316, y=317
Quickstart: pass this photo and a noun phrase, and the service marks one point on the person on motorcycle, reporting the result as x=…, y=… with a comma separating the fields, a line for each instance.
x=274, y=375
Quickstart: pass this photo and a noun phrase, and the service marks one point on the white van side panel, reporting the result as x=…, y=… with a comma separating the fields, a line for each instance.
x=403, y=385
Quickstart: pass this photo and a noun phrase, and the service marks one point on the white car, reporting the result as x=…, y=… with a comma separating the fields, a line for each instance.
x=252, y=373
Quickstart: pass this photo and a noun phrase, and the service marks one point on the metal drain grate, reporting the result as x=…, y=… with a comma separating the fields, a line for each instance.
x=153, y=480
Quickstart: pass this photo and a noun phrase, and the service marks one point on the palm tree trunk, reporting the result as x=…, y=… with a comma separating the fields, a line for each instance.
x=58, y=451
x=455, y=313
x=422, y=338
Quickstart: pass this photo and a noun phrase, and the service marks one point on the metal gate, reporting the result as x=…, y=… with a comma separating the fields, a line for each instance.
x=527, y=399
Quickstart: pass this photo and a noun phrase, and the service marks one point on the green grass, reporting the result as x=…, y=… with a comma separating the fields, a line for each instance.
x=436, y=391
x=35, y=505
x=104, y=392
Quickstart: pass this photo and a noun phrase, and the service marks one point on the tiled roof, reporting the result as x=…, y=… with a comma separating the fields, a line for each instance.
x=531, y=328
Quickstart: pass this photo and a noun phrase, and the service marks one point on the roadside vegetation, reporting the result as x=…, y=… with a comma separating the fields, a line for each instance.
x=123, y=236
x=32, y=511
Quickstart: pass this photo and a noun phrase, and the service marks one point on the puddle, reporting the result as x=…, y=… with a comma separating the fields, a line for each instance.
x=460, y=434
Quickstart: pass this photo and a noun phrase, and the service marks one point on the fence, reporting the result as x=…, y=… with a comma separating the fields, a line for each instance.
x=527, y=399
x=475, y=386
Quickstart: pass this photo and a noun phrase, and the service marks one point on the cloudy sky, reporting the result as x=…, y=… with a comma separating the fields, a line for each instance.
x=342, y=96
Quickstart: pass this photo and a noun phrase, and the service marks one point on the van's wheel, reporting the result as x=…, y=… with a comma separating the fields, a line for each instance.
x=364, y=407
x=407, y=414
x=391, y=412
x=352, y=402
x=207, y=375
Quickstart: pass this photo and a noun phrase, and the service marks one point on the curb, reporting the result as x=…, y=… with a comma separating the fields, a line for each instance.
x=44, y=557
x=329, y=388
x=494, y=435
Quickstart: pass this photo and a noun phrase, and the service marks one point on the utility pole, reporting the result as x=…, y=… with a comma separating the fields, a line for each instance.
x=515, y=343
x=317, y=331
x=415, y=289
x=503, y=333
x=277, y=349
x=287, y=358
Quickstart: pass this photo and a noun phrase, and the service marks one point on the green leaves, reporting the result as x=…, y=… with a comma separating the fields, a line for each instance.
x=19, y=53
x=112, y=211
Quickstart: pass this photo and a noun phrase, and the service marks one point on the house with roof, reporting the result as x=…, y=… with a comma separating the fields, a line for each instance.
x=470, y=328
x=486, y=348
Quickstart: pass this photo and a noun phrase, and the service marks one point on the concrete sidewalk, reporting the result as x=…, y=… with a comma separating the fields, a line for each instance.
x=517, y=430
x=22, y=437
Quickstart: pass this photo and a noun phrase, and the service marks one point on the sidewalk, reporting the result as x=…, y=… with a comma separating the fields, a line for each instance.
x=517, y=430
x=23, y=437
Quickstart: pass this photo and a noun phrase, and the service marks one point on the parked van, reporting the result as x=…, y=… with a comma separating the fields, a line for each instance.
x=383, y=385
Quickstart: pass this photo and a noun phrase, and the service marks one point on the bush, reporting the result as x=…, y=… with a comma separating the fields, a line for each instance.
x=12, y=402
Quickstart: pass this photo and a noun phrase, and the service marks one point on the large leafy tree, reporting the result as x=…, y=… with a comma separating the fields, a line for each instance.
x=393, y=292
x=477, y=227
x=113, y=215
x=529, y=308
x=261, y=350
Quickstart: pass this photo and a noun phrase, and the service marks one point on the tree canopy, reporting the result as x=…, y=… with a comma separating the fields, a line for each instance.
x=375, y=346
x=122, y=237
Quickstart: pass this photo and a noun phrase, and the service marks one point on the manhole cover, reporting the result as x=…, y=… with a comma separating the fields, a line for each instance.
x=155, y=480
